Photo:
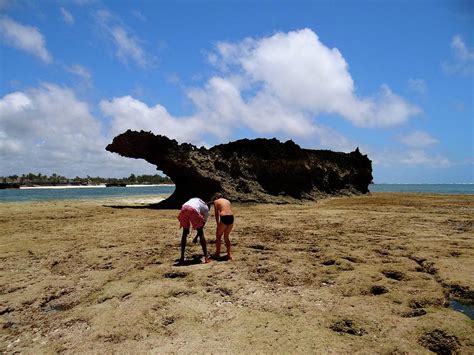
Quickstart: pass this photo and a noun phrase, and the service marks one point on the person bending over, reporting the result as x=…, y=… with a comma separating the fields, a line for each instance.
x=195, y=213
x=225, y=223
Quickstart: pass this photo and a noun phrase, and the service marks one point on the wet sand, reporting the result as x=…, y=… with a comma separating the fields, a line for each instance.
x=362, y=274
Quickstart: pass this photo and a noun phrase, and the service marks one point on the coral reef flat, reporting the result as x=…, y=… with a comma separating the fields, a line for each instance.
x=371, y=273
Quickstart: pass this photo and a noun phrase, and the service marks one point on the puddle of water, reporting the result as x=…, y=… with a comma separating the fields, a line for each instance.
x=467, y=309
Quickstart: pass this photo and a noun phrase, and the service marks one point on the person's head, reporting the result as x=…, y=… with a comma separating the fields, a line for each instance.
x=216, y=196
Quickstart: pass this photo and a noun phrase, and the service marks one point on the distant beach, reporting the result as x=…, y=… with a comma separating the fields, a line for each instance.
x=86, y=186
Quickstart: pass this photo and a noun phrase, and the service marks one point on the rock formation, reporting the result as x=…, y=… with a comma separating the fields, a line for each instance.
x=258, y=170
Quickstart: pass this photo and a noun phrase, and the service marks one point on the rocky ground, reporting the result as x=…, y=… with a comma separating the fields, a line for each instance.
x=361, y=274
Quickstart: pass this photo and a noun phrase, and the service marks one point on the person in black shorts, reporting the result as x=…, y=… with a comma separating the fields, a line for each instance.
x=225, y=223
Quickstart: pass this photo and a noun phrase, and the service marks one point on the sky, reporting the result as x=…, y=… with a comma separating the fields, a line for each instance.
x=394, y=78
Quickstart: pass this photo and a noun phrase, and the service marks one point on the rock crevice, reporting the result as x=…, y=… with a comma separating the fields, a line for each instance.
x=257, y=170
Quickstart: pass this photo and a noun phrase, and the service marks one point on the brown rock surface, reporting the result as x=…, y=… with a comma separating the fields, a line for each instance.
x=258, y=170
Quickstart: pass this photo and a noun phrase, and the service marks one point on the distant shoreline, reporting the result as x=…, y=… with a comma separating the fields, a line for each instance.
x=86, y=186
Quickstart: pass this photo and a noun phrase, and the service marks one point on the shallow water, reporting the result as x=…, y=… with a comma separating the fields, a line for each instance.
x=466, y=189
x=467, y=309
x=101, y=192
x=81, y=193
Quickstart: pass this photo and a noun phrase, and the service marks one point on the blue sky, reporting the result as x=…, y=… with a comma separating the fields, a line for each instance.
x=394, y=78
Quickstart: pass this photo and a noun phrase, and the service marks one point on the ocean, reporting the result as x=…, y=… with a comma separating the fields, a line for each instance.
x=101, y=192
x=455, y=189
x=82, y=192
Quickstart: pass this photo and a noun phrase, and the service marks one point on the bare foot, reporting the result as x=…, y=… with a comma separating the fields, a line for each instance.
x=206, y=260
x=229, y=257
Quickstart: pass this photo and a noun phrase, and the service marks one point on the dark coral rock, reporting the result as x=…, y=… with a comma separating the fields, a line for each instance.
x=258, y=170
x=347, y=326
x=394, y=274
x=378, y=290
x=439, y=342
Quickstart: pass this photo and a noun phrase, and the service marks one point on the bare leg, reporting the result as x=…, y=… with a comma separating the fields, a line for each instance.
x=183, y=243
x=203, y=244
x=219, y=232
x=227, y=240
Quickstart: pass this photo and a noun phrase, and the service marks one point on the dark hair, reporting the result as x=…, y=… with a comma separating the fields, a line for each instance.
x=216, y=196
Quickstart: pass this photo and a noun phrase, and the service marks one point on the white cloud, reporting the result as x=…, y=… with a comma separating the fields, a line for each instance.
x=297, y=73
x=272, y=86
x=24, y=37
x=461, y=51
x=328, y=138
x=420, y=157
x=67, y=16
x=79, y=70
x=411, y=157
x=48, y=129
x=82, y=72
x=418, y=86
x=418, y=139
x=463, y=58
x=129, y=113
x=221, y=105
x=127, y=46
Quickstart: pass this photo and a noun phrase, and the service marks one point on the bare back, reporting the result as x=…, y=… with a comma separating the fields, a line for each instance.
x=222, y=207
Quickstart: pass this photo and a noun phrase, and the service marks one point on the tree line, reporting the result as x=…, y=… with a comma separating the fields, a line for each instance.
x=55, y=179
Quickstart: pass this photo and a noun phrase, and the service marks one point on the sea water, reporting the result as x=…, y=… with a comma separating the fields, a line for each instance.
x=82, y=192
x=456, y=189
x=101, y=192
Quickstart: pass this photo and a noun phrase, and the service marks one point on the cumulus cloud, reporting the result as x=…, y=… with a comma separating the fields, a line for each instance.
x=67, y=16
x=272, y=86
x=129, y=113
x=276, y=85
x=293, y=76
x=24, y=37
x=48, y=129
x=463, y=62
x=127, y=46
x=418, y=139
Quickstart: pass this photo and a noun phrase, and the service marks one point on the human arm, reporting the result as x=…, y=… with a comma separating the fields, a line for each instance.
x=216, y=212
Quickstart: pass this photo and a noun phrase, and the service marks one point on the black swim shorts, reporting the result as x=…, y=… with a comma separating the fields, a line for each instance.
x=227, y=220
